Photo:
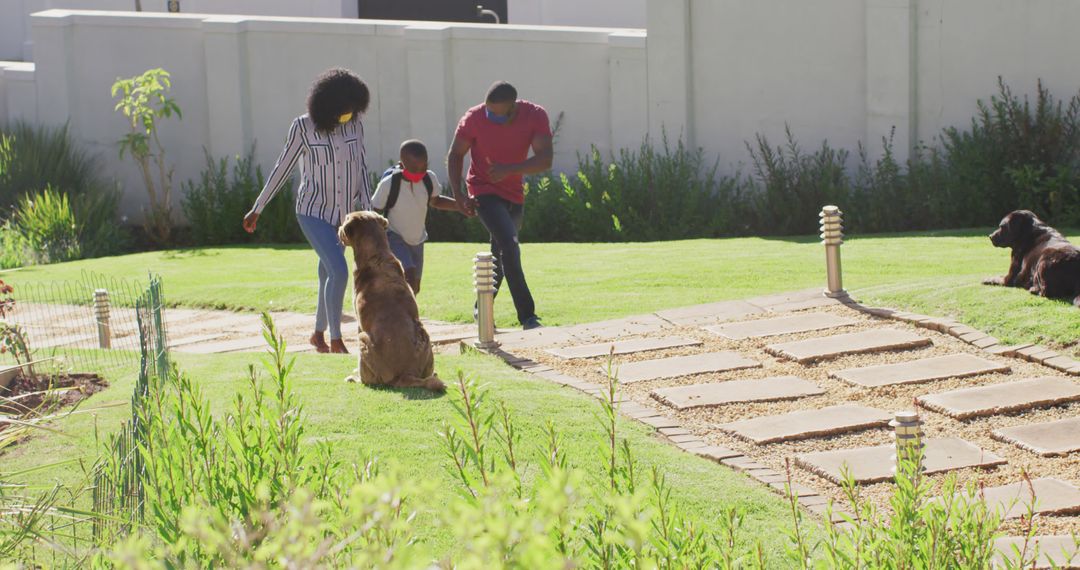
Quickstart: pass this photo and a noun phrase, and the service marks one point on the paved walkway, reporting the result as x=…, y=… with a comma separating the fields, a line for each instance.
x=193, y=330
x=804, y=384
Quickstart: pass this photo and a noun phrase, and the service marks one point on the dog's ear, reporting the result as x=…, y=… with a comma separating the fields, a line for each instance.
x=345, y=231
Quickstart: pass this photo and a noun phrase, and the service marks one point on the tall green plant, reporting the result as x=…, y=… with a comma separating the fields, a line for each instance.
x=42, y=230
x=1017, y=153
x=144, y=101
x=222, y=195
x=36, y=157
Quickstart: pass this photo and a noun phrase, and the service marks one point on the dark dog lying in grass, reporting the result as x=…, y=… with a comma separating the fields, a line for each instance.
x=1043, y=261
x=395, y=350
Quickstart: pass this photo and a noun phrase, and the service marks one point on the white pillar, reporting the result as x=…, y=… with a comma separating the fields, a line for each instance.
x=669, y=69
x=229, y=112
x=890, y=76
x=430, y=92
x=629, y=103
x=52, y=58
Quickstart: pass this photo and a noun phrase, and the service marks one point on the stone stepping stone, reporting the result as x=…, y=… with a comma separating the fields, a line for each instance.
x=874, y=464
x=1052, y=497
x=1004, y=398
x=710, y=313
x=794, y=301
x=1059, y=437
x=615, y=328
x=737, y=391
x=622, y=347
x=536, y=338
x=873, y=340
x=808, y=424
x=1055, y=551
x=922, y=370
x=782, y=325
x=676, y=366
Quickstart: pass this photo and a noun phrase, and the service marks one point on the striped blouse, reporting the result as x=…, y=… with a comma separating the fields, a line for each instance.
x=334, y=179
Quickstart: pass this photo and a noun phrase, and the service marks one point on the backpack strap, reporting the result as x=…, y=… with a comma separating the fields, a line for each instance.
x=395, y=189
x=429, y=185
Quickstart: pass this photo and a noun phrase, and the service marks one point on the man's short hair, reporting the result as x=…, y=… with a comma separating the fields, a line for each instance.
x=501, y=92
x=414, y=148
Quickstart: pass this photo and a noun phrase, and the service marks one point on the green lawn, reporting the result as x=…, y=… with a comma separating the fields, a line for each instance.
x=933, y=272
x=400, y=427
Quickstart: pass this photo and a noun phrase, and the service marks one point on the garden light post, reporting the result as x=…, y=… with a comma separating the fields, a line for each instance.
x=907, y=428
x=101, y=315
x=832, y=236
x=484, y=280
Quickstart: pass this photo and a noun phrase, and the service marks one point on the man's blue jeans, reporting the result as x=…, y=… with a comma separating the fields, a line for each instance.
x=502, y=219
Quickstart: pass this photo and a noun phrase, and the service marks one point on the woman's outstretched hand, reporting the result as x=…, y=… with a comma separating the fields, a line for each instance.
x=250, y=220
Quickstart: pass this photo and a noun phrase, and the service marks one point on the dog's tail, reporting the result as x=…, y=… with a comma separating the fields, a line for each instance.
x=432, y=382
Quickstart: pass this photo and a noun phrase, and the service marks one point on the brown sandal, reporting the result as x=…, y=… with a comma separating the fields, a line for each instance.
x=337, y=346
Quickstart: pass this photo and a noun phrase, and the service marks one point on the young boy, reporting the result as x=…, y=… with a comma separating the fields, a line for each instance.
x=403, y=196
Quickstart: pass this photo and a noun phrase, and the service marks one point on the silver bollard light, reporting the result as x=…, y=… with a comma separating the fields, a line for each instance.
x=832, y=236
x=484, y=276
x=907, y=428
x=101, y=315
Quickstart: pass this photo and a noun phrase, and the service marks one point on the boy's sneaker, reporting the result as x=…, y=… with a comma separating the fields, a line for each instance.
x=531, y=323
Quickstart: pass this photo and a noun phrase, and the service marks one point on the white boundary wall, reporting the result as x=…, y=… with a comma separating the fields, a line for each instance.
x=15, y=15
x=716, y=72
x=240, y=80
x=606, y=13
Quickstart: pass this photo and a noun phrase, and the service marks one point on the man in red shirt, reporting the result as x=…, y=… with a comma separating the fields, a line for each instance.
x=498, y=135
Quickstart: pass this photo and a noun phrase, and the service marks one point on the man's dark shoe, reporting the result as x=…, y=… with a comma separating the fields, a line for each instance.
x=531, y=323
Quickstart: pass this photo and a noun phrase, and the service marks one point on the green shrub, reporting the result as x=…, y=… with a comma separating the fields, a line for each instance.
x=1015, y=155
x=34, y=157
x=42, y=230
x=650, y=194
x=216, y=204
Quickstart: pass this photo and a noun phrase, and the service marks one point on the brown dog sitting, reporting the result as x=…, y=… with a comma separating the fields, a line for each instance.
x=395, y=350
x=1043, y=261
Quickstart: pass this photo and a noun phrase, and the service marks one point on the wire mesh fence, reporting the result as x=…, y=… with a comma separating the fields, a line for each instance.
x=118, y=493
x=88, y=324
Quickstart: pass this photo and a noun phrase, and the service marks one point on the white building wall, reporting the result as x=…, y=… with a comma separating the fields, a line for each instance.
x=240, y=80
x=605, y=13
x=15, y=23
x=715, y=72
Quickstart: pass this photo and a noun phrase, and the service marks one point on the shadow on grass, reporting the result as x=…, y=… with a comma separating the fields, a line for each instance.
x=411, y=394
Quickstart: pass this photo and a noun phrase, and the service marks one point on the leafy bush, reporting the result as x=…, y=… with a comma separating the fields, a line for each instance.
x=32, y=158
x=645, y=195
x=42, y=230
x=1015, y=155
x=215, y=205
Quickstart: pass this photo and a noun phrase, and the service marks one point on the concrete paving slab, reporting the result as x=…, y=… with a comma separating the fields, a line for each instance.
x=874, y=464
x=762, y=328
x=1060, y=437
x=922, y=370
x=736, y=391
x=615, y=328
x=676, y=366
x=1053, y=497
x=808, y=424
x=622, y=347
x=1002, y=398
x=710, y=313
x=823, y=348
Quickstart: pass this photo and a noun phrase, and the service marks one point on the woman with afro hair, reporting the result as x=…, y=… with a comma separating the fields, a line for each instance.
x=334, y=182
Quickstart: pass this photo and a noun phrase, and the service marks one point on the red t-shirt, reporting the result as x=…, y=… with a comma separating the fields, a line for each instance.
x=500, y=144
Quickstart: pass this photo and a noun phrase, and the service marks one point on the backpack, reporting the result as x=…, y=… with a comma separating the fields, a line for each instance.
x=395, y=185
